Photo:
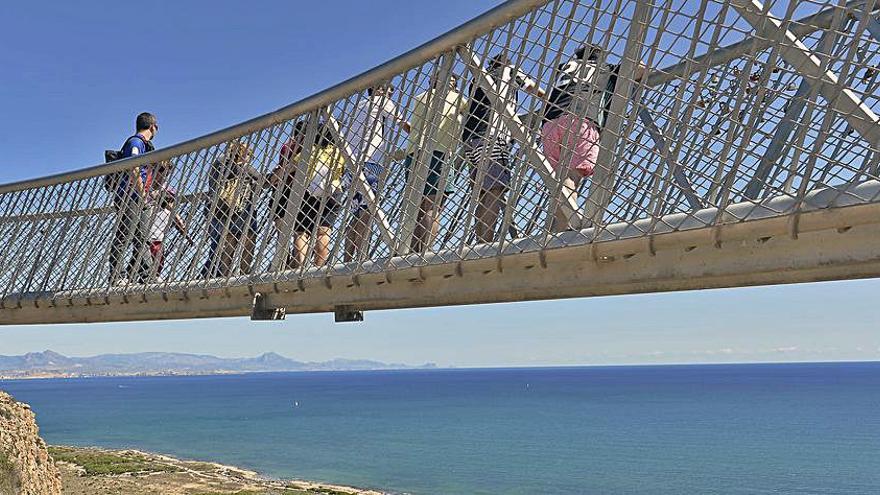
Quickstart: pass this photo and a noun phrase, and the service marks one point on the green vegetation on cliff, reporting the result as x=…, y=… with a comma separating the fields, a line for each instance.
x=96, y=462
x=97, y=471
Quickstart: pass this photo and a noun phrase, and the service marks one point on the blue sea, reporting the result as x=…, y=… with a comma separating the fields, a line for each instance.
x=719, y=429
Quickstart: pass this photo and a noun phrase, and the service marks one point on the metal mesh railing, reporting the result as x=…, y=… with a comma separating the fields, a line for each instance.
x=557, y=122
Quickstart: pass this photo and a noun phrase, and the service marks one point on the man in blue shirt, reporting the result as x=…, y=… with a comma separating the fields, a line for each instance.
x=129, y=200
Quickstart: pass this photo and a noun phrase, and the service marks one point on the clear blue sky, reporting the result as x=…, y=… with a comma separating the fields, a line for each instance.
x=75, y=74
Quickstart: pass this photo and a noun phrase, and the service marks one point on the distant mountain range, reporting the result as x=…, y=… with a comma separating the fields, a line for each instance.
x=50, y=363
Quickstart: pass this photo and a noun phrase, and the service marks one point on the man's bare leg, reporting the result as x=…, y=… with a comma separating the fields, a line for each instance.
x=322, y=246
x=570, y=186
x=357, y=231
x=300, y=250
x=489, y=207
x=428, y=224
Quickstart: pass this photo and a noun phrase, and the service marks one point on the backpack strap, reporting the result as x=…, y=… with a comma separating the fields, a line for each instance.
x=148, y=145
x=127, y=140
x=607, y=95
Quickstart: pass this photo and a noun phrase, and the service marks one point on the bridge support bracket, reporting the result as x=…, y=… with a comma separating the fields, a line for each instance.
x=260, y=311
x=347, y=314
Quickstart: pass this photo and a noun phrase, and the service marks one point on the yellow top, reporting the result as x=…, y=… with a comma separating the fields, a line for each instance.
x=448, y=133
x=324, y=161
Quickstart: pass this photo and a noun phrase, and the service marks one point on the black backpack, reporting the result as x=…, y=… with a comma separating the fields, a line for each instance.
x=111, y=181
x=561, y=98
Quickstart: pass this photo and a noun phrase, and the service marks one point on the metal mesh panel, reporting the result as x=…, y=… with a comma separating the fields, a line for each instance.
x=674, y=115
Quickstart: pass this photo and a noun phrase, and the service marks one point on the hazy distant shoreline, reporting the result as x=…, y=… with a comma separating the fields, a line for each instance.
x=180, y=374
x=50, y=364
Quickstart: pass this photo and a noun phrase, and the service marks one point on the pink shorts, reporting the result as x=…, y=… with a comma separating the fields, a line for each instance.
x=580, y=137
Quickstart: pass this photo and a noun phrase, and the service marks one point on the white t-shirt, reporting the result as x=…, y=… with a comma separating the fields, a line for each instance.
x=370, y=126
x=161, y=219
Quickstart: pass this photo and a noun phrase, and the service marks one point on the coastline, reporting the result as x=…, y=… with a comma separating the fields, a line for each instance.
x=49, y=364
x=104, y=471
x=37, y=376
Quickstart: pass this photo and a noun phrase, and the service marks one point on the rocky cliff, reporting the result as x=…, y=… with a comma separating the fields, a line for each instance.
x=25, y=465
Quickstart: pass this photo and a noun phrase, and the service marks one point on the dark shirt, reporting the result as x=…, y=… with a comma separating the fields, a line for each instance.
x=480, y=113
x=135, y=145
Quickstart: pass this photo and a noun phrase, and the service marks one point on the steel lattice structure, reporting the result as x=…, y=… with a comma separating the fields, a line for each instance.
x=740, y=145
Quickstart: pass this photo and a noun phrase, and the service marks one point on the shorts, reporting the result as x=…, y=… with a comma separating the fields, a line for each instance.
x=494, y=154
x=309, y=214
x=574, y=136
x=435, y=171
x=236, y=224
x=372, y=171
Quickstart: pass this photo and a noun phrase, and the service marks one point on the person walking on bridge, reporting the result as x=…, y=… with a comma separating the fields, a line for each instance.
x=575, y=114
x=368, y=133
x=487, y=140
x=443, y=145
x=231, y=211
x=160, y=214
x=308, y=224
x=129, y=200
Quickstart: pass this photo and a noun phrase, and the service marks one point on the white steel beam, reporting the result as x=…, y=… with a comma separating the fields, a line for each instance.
x=787, y=123
x=666, y=156
x=722, y=55
x=845, y=102
x=359, y=181
x=873, y=26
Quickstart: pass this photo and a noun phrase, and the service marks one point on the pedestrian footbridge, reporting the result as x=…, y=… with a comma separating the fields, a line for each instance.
x=739, y=145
